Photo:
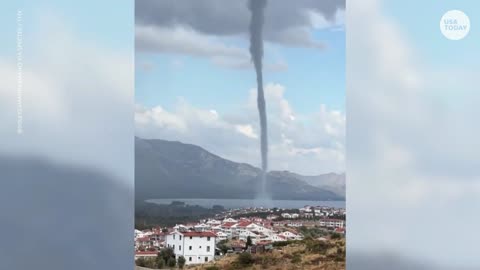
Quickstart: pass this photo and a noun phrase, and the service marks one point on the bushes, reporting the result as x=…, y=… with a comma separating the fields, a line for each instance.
x=317, y=246
x=160, y=263
x=164, y=258
x=340, y=256
x=146, y=262
x=283, y=243
x=266, y=260
x=181, y=262
x=313, y=233
x=335, y=236
x=222, y=245
x=171, y=262
x=245, y=259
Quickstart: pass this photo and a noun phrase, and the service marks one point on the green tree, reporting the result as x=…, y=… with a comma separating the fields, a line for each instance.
x=141, y=262
x=160, y=263
x=222, y=245
x=249, y=242
x=171, y=262
x=146, y=262
x=164, y=256
x=181, y=262
x=336, y=236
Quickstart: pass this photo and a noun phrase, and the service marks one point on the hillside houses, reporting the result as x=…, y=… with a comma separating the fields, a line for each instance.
x=290, y=215
x=149, y=239
x=319, y=211
x=197, y=242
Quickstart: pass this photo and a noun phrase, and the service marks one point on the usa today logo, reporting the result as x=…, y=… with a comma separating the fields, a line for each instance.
x=455, y=25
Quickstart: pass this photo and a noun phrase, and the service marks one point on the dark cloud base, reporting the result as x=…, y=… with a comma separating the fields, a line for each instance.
x=286, y=21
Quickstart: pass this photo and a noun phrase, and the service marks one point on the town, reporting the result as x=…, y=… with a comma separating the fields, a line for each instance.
x=235, y=231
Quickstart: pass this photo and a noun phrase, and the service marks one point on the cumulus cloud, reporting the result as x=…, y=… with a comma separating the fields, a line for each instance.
x=182, y=40
x=409, y=156
x=309, y=144
x=186, y=41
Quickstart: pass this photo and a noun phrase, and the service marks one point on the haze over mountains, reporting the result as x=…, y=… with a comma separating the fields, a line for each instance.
x=167, y=169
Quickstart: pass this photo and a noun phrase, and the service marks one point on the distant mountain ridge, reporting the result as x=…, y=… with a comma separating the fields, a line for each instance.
x=169, y=169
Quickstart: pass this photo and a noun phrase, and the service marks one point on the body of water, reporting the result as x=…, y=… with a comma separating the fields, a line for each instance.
x=243, y=203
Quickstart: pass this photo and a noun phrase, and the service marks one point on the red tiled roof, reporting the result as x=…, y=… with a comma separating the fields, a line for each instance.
x=143, y=239
x=199, y=234
x=146, y=252
x=244, y=223
x=228, y=224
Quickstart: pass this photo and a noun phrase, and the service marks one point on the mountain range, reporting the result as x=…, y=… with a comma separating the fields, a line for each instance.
x=171, y=169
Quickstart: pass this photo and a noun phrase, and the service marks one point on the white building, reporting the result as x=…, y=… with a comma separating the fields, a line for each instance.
x=276, y=238
x=306, y=209
x=229, y=220
x=202, y=227
x=290, y=236
x=258, y=228
x=221, y=236
x=335, y=223
x=180, y=227
x=138, y=233
x=196, y=247
x=253, y=236
x=213, y=222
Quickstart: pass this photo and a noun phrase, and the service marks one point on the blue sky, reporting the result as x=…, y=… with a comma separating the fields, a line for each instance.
x=454, y=62
x=420, y=21
x=195, y=82
x=313, y=77
x=106, y=29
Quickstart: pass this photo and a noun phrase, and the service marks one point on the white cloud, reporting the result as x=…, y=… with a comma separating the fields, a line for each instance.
x=38, y=93
x=308, y=144
x=410, y=162
x=247, y=130
x=76, y=96
x=160, y=118
x=319, y=21
x=186, y=41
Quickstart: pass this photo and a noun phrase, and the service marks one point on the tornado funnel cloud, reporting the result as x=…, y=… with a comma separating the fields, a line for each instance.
x=257, y=8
